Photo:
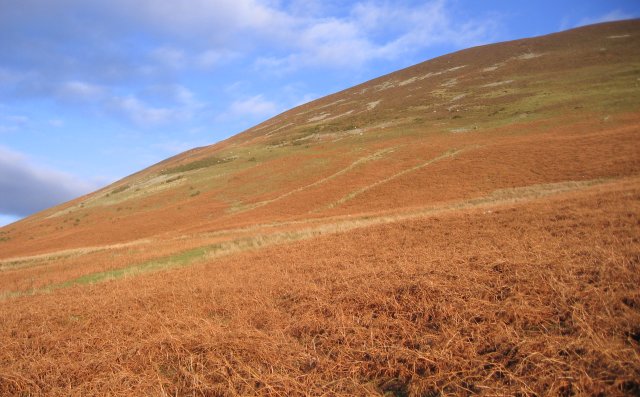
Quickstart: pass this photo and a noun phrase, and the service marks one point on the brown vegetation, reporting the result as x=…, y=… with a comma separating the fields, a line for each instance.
x=537, y=298
x=472, y=226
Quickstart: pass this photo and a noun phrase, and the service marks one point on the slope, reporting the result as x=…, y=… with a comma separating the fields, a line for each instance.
x=466, y=225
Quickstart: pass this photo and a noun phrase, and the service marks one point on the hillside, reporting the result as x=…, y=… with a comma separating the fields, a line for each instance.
x=467, y=225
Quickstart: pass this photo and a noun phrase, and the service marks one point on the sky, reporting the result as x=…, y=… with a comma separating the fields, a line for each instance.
x=93, y=91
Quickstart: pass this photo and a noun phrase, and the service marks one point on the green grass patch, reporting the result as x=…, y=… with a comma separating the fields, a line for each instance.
x=181, y=259
x=120, y=189
x=198, y=164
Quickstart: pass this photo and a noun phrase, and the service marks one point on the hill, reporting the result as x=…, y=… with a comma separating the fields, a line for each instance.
x=467, y=225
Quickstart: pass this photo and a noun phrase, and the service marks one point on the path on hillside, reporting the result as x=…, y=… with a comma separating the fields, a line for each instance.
x=356, y=193
x=375, y=156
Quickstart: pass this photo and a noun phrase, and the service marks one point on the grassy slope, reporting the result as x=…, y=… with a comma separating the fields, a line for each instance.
x=464, y=100
x=412, y=189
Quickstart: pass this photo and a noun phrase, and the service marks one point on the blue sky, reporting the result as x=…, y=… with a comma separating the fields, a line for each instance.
x=92, y=91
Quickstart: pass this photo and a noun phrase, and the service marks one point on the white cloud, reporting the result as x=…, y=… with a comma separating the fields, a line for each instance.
x=7, y=128
x=17, y=119
x=373, y=31
x=175, y=94
x=174, y=146
x=142, y=114
x=80, y=90
x=10, y=77
x=12, y=122
x=176, y=59
x=216, y=21
x=170, y=57
x=613, y=15
x=210, y=58
x=56, y=123
x=334, y=42
x=306, y=98
x=255, y=106
x=204, y=33
x=178, y=102
x=133, y=46
x=26, y=187
x=184, y=96
x=369, y=31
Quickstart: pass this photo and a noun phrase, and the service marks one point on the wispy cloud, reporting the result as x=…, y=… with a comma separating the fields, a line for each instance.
x=140, y=113
x=80, y=90
x=173, y=147
x=255, y=106
x=169, y=57
x=115, y=61
x=374, y=31
x=213, y=57
x=26, y=187
x=202, y=33
x=179, y=102
x=12, y=122
x=613, y=15
x=56, y=123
